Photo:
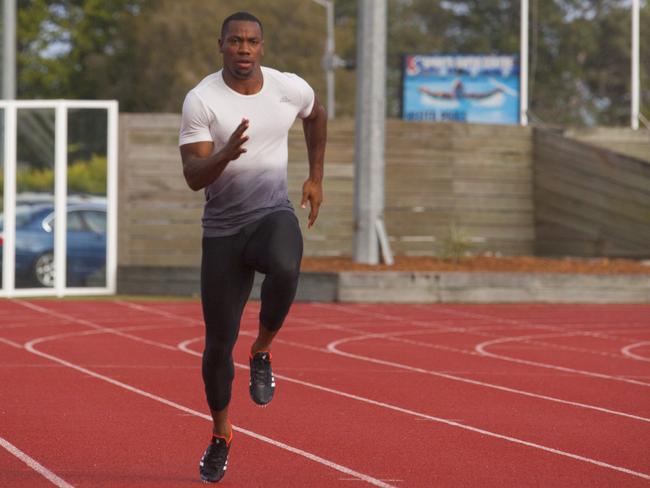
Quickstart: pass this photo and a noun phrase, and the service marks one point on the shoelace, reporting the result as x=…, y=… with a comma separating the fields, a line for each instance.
x=218, y=459
x=262, y=371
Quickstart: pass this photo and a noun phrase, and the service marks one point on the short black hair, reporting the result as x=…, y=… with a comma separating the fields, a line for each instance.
x=240, y=16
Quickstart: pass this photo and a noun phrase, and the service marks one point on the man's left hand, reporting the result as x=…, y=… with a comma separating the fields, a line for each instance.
x=312, y=191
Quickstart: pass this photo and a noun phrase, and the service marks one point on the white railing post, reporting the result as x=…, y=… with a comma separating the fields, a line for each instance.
x=111, y=196
x=60, y=196
x=61, y=108
x=9, y=209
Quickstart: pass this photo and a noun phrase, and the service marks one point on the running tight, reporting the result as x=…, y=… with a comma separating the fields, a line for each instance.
x=272, y=246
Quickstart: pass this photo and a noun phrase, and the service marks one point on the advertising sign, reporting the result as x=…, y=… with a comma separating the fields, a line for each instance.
x=461, y=88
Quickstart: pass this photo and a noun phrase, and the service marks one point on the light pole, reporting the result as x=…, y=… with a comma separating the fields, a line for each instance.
x=635, y=86
x=329, y=59
x=9, y=50
x=523, y=64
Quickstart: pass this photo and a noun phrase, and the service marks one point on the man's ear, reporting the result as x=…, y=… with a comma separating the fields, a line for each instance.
x=220, y=42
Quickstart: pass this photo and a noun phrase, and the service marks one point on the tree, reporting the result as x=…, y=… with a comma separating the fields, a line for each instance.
x=149, y=53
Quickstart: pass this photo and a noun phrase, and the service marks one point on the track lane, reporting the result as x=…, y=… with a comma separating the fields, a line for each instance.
x=442, y=468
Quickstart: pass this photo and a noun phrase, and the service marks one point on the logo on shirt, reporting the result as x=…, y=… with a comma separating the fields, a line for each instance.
x=285, y=99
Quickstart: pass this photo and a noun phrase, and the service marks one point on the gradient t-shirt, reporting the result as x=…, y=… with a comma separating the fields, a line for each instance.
x=255, y=184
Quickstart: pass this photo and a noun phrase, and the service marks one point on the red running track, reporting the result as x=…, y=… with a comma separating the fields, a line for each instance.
x=108, y=393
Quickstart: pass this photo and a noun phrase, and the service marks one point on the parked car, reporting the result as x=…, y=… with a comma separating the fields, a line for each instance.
x=86, y=244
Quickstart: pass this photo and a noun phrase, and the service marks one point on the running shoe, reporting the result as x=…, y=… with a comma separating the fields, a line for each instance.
x=215, y=460
x=262, y=384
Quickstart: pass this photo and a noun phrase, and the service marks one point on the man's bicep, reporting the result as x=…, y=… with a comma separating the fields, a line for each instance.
x=315, y=110
x=201, y=149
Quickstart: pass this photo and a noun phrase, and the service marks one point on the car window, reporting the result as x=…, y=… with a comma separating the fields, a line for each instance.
x=96, y=221
x=75, y=222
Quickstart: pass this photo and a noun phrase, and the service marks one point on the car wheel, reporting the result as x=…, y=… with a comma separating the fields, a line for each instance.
x=44, y=269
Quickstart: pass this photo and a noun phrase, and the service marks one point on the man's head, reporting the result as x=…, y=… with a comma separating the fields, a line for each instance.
x=239, y=16
x=241, y=44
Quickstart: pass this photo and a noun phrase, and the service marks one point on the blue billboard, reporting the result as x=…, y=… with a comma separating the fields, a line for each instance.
x=461, y=88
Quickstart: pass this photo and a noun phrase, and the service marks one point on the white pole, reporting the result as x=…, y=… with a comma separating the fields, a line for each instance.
x=370, y=129
x=523, y=64
x=330, y=56
x=60, y=197
x=111, y=227
x=9, y=231
x=634, y=122
x=9, y=50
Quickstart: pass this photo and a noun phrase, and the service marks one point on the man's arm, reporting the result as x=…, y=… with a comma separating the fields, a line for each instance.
x=315, y=129
x=201, y=167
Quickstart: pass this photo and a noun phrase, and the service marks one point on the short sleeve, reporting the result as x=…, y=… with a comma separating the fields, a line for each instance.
x=195, y=121
x=307, y=96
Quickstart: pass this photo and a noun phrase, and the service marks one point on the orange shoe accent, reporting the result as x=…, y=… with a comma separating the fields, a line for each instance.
x=250, y=355
x=228, y=440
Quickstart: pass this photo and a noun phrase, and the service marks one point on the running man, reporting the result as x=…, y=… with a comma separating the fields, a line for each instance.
x=233, y=144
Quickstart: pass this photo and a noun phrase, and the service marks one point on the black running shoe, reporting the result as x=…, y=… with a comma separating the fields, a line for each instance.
x=215, y=460
x=262, y=384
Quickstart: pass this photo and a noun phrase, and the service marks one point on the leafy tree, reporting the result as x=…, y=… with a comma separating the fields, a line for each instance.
x=148, y=53
x=65, y=48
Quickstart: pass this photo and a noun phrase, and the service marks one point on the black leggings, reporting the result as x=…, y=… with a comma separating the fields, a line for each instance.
x=271, y=245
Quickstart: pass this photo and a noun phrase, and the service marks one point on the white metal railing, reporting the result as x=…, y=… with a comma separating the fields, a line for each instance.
x=60, y=108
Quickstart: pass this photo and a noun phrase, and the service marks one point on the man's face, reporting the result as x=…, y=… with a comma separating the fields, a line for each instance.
x=242, y=48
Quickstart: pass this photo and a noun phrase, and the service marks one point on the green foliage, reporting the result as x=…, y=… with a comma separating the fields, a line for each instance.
x=36, y=180
x=149, y=53
x=88, y=176
x=455, y=245
x=83, y=177
x=66, y=48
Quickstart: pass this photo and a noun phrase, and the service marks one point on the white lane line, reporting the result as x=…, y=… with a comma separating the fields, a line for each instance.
x=518, y=324
x=35, y=465
x=333, y=347
x=30, y=346
x=184, y=346
x=627, y=350
x=329, y=350
x=482, y=349
x=521, y=324
x=92, y=325
x=10, y=343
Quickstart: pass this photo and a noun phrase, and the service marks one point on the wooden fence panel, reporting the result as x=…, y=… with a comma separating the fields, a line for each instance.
x=478, y=178
x=589, y=201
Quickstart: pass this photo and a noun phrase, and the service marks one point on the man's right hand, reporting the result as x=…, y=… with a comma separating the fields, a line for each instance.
x=201, y=167
x=235, y=145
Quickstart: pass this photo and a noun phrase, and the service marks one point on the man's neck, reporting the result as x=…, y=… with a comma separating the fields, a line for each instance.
x=248, y=86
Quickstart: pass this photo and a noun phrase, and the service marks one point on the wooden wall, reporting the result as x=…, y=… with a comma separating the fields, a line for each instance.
x=589, y=201
x=159, y=216
x=634, y=143
x=478, y=178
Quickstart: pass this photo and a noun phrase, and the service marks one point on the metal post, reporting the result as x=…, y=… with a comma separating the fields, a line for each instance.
x=9, y=231
x=60, y=196
x=329, y=58
x=523, y=64
x=635, y=109
x=370, y=128
x=112, y=195
x=9, y=50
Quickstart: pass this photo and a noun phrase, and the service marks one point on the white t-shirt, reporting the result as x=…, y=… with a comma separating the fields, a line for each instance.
x=255, y=184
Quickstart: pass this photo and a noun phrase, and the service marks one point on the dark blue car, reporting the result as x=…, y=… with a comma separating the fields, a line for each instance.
x=86, y=244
